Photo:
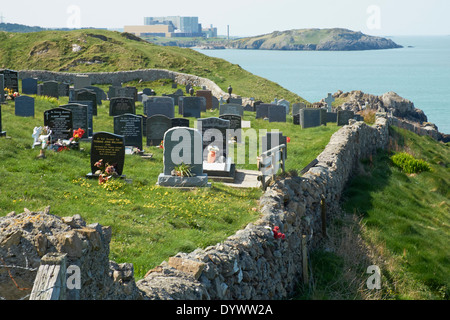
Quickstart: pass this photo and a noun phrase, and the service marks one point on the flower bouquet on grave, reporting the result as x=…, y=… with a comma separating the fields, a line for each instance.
x=75, y=140
x=182, y=170
x=105, y=171
x=10, y=94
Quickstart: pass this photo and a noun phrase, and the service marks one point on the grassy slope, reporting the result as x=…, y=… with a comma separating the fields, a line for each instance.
x=404, y=229
x=110, y=51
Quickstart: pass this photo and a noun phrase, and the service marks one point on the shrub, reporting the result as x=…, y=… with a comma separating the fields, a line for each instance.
x=409, y=164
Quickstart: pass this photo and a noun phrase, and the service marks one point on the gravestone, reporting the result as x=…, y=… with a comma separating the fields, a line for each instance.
x=343, y=116
x=2, y=133
x=50, y=89
x=81, y=81
x=147, y=92
x=130, y=127
x=29, y=86
x=131, y=92
x=180, y=122
x=235, y=101
x=329, y=100
x=2, y=88
x=272, y=140
x=331, y=117
x=175, y=96
x=40, y=91
x=162, y=108
x=231, y=108
x=188, y=88
x=158, y=99
x=214, y=132
x=309, y=118
x=182, y=145
x=297, y=106
x=235, y=124
x=101, y=95
x=156, y=128
x=174, y=85
x=63, y=89
x=87, y=95
x=59, y=120
x=24, y=106
x=11, y=79
x=180, y=105
x=122, y=105
x=192, y=107
x=262, y=110
x=215, y=103
x=90, y=116
x=323, y=116
x=286, y=104
x=110, y=148
x=207, y=95
x=277, y=113
x=296, y=119
x=79, y=117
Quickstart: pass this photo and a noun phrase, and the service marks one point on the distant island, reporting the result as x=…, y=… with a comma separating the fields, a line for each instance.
x=335, y=39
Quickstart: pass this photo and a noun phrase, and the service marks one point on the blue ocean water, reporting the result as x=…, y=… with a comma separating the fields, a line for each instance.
x=419, y=72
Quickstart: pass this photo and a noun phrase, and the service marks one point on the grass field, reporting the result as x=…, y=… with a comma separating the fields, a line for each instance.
x=149, y=223
x=395, y=220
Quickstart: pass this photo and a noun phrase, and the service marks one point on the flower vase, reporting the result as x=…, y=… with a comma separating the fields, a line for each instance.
x=75, y=145
x=211, y=156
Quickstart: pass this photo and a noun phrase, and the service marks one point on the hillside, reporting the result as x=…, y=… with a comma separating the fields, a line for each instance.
x=315, y=39
x=108, y=51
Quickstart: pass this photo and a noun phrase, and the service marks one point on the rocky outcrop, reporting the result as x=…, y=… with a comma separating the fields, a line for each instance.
x=402, y=111
x=26, y=237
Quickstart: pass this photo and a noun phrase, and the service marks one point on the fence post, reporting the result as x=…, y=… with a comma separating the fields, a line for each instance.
x=50, y=282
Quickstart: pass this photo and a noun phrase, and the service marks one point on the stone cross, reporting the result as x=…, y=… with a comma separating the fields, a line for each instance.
x=329, y=100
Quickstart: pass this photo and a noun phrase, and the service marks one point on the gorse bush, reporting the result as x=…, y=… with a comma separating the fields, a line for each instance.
x=409, y=164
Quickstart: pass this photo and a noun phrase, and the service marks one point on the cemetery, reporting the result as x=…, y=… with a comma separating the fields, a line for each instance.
x=180, y=204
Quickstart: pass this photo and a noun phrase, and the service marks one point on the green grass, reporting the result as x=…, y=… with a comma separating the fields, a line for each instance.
x=405, y=222
x=149, y=223
x=108, y=51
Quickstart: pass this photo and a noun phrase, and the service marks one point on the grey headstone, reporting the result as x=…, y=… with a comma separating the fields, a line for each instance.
x=343, y=116
x=262, y=111
x=81, y=81
x=277, y=113
x=156, y=128
x=331, y=117
x=59, y=120
x=215, y=103
x=163, y=108
x=231, y=108
x=29, y=86
x=87, y=95
x=122, y=105
x=63, y=89
x=130, y=127
x=286, y=104
x=235, y=101
x=188, y=142
x=80, y=117
x=296, y=119
x=24, y=106
x=323, y=116
x=309, y=117
x=90, y=115
x=50, y=89
x=297, y=106
x=2, y=133
x=101, y=95
x=192, y=107
x=2, y=88
x=235, y=124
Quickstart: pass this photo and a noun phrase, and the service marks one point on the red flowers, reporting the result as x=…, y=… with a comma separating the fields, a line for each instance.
x=277, y=234
x=78, y=134
x=288, y=139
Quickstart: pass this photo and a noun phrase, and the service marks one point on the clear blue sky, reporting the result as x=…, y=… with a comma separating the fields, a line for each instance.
x=245, y=17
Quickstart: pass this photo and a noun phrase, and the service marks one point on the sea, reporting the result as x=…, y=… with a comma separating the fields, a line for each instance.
x=419, y=72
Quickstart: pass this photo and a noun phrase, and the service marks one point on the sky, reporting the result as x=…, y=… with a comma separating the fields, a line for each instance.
x=244, y=17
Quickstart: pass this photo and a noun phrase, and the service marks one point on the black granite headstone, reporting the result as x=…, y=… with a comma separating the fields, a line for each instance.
x=59, y=120
x=180, y=122
x=192, y=107
x=88, y=104
x=11, y=79
x=87, y=95
x=29, y=86
x=121, y=105
x=156, y=128
x=110, y=148
x=80, y=117
x=50, y=89
x=210, y=129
